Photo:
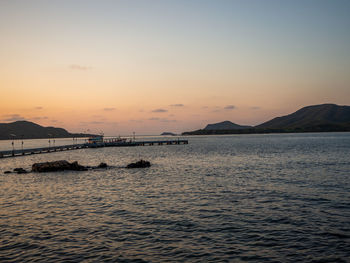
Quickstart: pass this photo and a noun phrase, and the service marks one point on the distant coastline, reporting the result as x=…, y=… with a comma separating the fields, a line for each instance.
x=267, y=131
x=30, y=130
x=316, y=118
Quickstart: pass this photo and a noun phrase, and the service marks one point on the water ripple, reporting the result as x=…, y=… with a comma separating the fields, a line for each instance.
x=263, y=198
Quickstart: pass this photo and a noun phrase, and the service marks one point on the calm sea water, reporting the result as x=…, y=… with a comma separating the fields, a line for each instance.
x=248, y=198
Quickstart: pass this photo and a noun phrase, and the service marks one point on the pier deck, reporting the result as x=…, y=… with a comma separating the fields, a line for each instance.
x=24, y=152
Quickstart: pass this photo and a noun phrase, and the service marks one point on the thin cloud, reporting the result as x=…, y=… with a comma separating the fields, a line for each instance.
x=177, y=105
x=162, y=119
x=92, y=122
x=160, y=110
x=98, y=123
x=230, y=107
x=13, y=117
x=167, y=120
x=38, y=108
x=39, y=118
x=109, y=109
x=255, y=108
x=79, y=67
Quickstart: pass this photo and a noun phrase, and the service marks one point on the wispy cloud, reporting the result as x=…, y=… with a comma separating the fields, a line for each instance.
x=109, y=109
x=162, y=119
x=98, y=123
x=12, y=117
x=38, y=108
x=255, y=108
x=79, y=67
x=92, y=122
x=177, y=105
x=97, y=116
x=167, y=120
x=230, y=107
x=160, y=110
x=38, y=118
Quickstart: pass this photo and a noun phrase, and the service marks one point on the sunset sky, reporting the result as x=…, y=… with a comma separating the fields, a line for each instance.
x=154, y=66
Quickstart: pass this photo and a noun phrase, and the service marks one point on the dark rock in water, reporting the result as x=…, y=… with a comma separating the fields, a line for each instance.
x=57, y=166
x=102, y=165
x=139, y=164
x=20, y=171
x=77, y=167
x=7, y=172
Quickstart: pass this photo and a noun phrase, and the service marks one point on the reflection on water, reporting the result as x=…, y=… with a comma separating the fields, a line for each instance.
x=220, y=198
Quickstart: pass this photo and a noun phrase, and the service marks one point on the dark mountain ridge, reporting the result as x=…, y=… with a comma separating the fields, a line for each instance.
x=30, y=130
x=225, y=125
x=311, y=116
x=316, y=118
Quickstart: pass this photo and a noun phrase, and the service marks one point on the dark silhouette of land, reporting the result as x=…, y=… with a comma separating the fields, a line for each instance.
x=226, y=125
x=168, y=134
x=316, y=118
x=30, y=130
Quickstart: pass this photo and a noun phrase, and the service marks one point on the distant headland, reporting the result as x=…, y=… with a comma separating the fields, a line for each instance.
x=168, y=134
x=316, y=118
x=30, y=130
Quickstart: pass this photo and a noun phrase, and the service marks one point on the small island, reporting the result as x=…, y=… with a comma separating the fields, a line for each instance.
x=168, y=134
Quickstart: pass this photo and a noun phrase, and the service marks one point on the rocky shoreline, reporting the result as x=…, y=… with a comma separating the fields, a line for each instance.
x=64, y=165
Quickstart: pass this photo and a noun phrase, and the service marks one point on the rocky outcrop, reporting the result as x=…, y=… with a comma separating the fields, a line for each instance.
x=17, y=170
x=20, y=171
x=139, y=164
x=102, y=165
x=57, y=166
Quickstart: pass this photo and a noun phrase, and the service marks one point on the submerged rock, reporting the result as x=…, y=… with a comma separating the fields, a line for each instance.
x=57, y=166
x=102, y=165
x=139, y=164
x=20, y=171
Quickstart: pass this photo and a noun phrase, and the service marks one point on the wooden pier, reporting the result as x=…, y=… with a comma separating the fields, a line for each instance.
x=107, y=143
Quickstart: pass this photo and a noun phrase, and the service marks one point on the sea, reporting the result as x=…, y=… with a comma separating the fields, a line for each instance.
x=232, y=198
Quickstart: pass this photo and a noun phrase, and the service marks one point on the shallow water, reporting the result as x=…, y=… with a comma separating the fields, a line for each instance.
x=238, y=198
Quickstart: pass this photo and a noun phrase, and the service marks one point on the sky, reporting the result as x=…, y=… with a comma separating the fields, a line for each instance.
x=120, y=67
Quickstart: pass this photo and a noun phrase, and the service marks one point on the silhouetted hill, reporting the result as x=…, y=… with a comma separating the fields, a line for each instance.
x=30, y=130
x=311, y=116
x=225, y=125
x=316, y=118
x=168, y=134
